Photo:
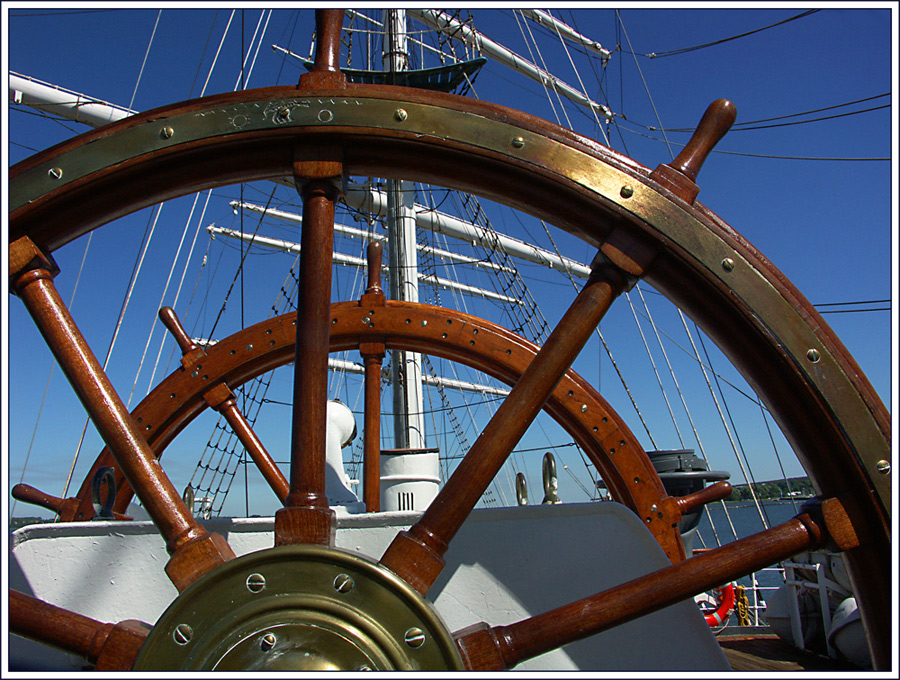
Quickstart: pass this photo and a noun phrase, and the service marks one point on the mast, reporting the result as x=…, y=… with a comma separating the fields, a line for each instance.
x=406, y=367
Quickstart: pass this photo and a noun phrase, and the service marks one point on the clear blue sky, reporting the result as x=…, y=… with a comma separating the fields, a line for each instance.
x=827, y=224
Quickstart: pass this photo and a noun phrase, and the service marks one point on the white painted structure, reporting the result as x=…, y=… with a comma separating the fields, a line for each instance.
x=58, y=100
x=340, y=431
x=409, y=480
x=353, y=261
x=504, y=565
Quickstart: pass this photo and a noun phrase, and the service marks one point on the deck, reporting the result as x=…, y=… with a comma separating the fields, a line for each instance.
x=768, y=652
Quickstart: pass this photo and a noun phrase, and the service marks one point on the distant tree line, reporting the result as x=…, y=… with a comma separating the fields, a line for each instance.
x=18, y=522
x=774, y=490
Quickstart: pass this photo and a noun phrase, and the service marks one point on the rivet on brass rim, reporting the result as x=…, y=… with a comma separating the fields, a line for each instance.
x=256, y=583
x=883, y=466
x=401, y=115
x=182, y=634
x=415, y=637
x=343, y=583
x=627, y=191
x=728, y=264
x=166, y=132
x=518, y=142
x=813, y=355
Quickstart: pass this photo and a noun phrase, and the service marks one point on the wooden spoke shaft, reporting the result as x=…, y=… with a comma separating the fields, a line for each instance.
x=373, y=356
x=328, y=39
x=193, y=550
x=372, y=433
x=222, y=399
x=417, y=555
x=708, y=494
x=502, y=647
x=680, y=175
x=28, y=494
x=307, y=517
x=106, y=645
x=326, y=65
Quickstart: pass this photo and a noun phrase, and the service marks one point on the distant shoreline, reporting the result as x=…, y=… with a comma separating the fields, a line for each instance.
x=749, y=503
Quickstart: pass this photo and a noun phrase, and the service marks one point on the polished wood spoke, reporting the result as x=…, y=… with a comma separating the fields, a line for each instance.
x=417, y=555
x=222, y=399
x=194, y=551
x=107, y=646
x=250, y=441
x=500, y=647
x=373, y=356
x=307, y=517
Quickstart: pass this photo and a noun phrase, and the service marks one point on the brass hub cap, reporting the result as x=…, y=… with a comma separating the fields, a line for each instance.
x=300, y=608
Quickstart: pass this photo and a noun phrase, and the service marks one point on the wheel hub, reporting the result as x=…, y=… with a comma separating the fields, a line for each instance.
x=299, y=608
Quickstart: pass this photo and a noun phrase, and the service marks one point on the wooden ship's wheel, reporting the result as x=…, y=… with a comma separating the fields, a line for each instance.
x=644, y=224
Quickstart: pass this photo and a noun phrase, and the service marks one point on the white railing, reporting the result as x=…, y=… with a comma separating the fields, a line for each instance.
x=821, y=585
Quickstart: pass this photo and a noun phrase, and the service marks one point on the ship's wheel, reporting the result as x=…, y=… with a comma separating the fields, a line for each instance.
x=374, y=614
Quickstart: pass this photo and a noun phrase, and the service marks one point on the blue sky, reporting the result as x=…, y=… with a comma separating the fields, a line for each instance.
x=827, y=224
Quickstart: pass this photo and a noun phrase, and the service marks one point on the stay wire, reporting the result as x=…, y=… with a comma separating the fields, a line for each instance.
x=144, y=63
x=738, y=126
x=581, y=83
x=745, y=470
x=135, y=272
x=646, y=86
x=761, y=155
x=671, y=371
x=683, y=50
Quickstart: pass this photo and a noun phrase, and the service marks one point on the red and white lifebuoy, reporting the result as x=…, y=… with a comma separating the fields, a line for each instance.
x=724, y=604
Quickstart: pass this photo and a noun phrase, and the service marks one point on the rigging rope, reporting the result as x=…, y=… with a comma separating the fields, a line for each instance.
x=580, y=82
x=144, y=63
x=760, y=155
x=655, y=370
x=184, y=270
x=748, y=477
x=683, y=50
x=528, y=44
x=161, y=299
x=216, y=57
x=646, y=87
x=740, y=125
x=672, y=371
x=709, y=386
x=135, y=272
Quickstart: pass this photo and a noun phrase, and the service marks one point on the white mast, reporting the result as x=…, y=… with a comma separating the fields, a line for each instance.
x=60, y=101
x=406, y=367
x=352, y=261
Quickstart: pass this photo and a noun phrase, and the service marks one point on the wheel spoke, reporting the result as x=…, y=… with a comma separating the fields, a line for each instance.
x=373, y=356
x=417, y=555
x=245, y=434
x=221, y=399
x=105, y=645
x=496, y=648
x=194, y=551
x=307, y=517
